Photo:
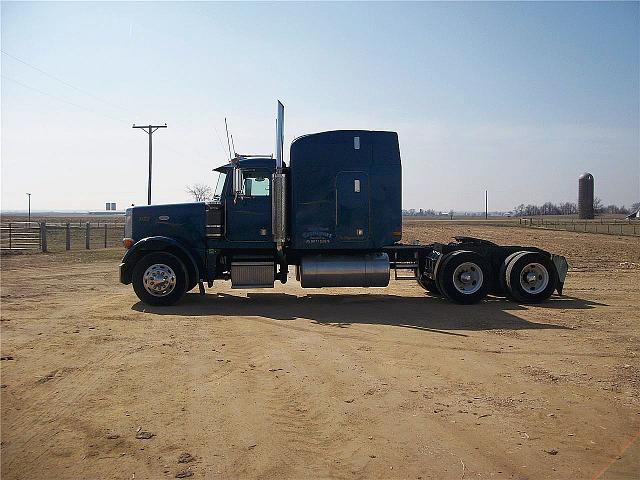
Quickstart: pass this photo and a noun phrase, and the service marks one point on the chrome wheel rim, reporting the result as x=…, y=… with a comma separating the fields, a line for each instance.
x=534, y=278
x=467, y=278
x=159, y=280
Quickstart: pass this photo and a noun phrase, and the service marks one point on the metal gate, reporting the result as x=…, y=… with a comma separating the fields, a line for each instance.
x=20, y=236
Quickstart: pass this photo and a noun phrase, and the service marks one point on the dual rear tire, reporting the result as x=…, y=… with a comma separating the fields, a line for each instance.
x=462, y=277
x=528, y=277
x=465, y=277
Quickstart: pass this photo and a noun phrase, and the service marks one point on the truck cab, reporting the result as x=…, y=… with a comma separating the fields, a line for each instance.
x=242, y=217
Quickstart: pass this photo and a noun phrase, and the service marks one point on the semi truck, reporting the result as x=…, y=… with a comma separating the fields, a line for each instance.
x=334, y=215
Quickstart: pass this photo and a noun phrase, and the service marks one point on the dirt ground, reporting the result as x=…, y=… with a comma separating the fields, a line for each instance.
x=292, y=383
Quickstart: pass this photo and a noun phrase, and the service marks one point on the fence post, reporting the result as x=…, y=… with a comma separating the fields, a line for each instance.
x=105, y=234
x=43, y=236
x=87, y=238
x=68, y=237
x=10, y=235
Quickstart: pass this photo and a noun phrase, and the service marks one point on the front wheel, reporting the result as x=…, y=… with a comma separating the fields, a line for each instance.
x=160, y=278
x=464, y=277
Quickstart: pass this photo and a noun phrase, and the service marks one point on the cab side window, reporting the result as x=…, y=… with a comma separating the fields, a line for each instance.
x=256, y=184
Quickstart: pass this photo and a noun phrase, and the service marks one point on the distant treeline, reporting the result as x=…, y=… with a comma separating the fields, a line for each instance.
x=570, y=208
x=421, y=213
x=522, y=210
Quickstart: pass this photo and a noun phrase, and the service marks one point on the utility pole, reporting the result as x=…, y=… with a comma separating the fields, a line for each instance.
x=486, y=205
x=149, y=129
x=29, y=195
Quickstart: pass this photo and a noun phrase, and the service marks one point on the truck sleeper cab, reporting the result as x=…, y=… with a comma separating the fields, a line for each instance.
x=334, y=214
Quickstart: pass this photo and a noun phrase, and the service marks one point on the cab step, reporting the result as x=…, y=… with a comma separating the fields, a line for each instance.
x=252, y=274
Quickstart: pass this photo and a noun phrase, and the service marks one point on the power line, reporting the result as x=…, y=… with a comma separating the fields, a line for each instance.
x=119, y=120
x=64, y=82
x=219, y=140
x=109, y=117
x=81, y=90
x=63, y=100
x=60, y=99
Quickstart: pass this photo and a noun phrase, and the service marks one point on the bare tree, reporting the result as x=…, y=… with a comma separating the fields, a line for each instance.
x=598, y=206
x=199, y=192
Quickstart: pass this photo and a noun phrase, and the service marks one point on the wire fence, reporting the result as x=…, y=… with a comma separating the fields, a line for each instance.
x=28, y=237
x=603, y=225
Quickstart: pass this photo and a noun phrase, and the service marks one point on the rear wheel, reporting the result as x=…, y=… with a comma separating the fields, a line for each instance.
x=502, y=278
x=429, y=285
x=530, y=277
x=159, y=278
x=464, y=277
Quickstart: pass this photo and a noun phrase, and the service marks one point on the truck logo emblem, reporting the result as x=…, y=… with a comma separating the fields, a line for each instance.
x=163, y=218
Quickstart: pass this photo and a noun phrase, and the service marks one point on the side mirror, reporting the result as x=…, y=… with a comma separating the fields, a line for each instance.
x=238, y=184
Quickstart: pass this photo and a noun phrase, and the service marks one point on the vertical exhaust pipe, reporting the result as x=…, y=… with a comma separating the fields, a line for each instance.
x=279, y=196
x=279, y=136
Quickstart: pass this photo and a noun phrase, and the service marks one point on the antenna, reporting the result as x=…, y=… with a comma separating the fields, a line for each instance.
x=233, y=147
x=228, y=143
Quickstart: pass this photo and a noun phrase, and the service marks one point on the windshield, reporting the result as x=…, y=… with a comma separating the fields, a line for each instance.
x=219, y=186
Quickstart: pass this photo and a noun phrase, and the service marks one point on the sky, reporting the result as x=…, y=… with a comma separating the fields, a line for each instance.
x=515, y=98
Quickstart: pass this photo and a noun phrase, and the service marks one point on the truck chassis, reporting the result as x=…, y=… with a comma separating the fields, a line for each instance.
x=464, y=271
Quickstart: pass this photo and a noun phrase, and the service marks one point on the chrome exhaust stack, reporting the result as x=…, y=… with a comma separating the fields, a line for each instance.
x=279, y=193
x=279, y=136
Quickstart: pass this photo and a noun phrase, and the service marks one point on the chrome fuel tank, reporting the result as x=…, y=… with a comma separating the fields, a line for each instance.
x=370, y=270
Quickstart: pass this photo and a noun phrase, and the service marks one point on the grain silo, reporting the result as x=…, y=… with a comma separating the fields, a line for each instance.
x=585, y=196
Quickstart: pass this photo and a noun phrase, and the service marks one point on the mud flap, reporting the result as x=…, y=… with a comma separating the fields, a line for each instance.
x=562, y=267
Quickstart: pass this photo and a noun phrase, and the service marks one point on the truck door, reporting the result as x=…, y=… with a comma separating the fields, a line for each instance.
x=249, y=216
x=352, y=206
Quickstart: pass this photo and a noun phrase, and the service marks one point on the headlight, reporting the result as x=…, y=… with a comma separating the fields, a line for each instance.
x=127, y=242
x=128, y=225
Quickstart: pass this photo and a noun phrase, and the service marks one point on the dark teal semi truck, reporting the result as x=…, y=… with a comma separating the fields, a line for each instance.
x=334, y=214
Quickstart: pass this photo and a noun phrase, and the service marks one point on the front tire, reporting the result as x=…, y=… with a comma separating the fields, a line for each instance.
x=160, y=279
x=464, y=277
